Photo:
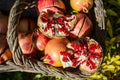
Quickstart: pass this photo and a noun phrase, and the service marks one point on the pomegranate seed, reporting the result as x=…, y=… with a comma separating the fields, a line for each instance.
x=67, y=26
x=66, y=56
x=92, y=65
x=50, y=12
x=53, y=32
x=60, y=20
x=75, y=62
x=44, y=18
x=63, y=30
x=50, y=60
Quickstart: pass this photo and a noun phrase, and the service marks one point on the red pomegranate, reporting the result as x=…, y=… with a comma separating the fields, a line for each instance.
x=51, y=4
x=81, y=5
x=52, y=51
x=25, y=43
x=40, y=40
x=83, y=27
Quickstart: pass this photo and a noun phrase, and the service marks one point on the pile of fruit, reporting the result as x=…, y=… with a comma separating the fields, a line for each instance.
x=64, y=40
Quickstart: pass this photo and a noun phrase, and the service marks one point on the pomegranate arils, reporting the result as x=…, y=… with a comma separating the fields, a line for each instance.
x=94, y=46
x=49, y=26
x=55, y=24
x=48, y=59
x=63, y=30
x=77, y=47
x=91, y=64
x=50, y=12
x=66, y=59
x=66, y=56
x=60, y=20
x=44, y=18
x=94, y=56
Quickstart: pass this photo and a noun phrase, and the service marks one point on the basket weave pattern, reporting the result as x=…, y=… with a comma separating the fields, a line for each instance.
x=22, y=63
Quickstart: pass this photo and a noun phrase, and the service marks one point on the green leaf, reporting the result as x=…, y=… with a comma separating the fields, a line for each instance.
x=117, y=62
x=109, y=27
x=112, y=40
x=113, y=2
x=118, y=21
x=117, y=39
x=111, y=68
x=111, y=12
x=118, y=2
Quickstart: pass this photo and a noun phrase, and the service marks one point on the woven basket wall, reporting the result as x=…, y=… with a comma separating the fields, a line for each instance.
x=21, y=63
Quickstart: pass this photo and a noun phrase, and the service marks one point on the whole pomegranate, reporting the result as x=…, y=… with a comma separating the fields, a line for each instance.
x=81, y=5
x=54, y=24
x=51, y=4
x=83, y=27
x=52, y=51
x=40, y=40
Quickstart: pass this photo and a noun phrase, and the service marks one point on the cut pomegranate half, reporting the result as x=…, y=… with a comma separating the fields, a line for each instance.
x=55, y=24
x=85, y=53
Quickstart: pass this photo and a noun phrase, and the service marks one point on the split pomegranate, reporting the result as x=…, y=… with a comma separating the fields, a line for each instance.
x=83, y=26
x=94, y=54
x=85, y=53
x=81, y=5
x=43, y=4
x=52, y=51
x=40, y=40
x=25, y=43
x=54, y=24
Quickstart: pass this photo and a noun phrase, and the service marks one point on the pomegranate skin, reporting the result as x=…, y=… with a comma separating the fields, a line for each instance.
x=40, y=40
x=83, y=27
x=42, y=4
x=52, y=51
x=81, y=5
x=25, y=43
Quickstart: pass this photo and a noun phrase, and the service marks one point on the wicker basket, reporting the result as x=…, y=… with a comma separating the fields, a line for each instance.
x=24, y=64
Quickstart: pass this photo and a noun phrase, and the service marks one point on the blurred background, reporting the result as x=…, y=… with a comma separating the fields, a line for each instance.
x=110, y=68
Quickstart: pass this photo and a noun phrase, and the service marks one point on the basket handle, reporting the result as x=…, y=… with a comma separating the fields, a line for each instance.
x=15, y=14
